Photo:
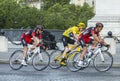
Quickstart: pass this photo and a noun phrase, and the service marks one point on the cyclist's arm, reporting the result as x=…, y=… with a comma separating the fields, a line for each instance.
x=95, y=36
x=75, y=33
x=75, y=36
x=35, y=41
x=102, y=41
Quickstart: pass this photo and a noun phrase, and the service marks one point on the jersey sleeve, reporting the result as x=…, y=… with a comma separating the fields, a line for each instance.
x=93, y=32
x=75, y=30
x=33, y=34
x=98, y=34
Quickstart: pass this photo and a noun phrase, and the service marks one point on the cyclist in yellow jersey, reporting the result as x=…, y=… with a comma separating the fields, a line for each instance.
x=69, y=37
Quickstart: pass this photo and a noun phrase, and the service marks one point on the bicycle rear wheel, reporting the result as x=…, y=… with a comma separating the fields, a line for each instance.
x=16, y=59
x=103, y=65
x=72, y=61
x=41, y=61
x=55, y=59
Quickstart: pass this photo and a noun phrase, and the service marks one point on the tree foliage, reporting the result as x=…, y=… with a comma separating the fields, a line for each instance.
x=63, y=16
x=15, y=15
x=55, y=14
x=50, y=3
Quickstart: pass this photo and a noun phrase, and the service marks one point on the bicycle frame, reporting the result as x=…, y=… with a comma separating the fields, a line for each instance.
x=70, y=53
x=99, y=56
x=96, y=52
x=34, y=51
x=37, y=49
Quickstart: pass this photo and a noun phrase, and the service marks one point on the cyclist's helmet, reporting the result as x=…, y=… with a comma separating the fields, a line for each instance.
x=39, y=27
x=81, y=25
x=110, y=33
x=99, y=24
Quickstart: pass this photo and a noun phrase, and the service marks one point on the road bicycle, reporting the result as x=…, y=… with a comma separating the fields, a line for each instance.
x=39, y=59
x=56, y=56
x=102, y=59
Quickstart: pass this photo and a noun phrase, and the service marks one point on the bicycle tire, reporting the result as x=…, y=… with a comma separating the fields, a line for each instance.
x=72, y=63
x=55, y=64
x=41, y=61
x=103, y=66
x=14, y=63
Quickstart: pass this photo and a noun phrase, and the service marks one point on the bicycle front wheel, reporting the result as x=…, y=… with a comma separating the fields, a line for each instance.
x=103, y=63
x=16, y=59
x=55, y=59
x=72, y=61
x=41, y=61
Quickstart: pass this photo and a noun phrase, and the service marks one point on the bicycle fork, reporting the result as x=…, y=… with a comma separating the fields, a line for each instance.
x=101, y=55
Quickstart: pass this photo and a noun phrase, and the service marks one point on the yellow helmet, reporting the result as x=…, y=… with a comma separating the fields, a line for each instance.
x=81, y=25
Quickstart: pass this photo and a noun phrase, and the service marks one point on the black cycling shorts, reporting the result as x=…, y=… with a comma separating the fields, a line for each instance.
x=24, y=43
x=67, y=40
x=83, y=44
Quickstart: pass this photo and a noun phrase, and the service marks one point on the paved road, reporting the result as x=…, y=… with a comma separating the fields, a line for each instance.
x=62, y=74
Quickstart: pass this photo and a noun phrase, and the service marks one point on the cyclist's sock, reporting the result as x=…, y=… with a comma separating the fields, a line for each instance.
x=63, y=62
x=69, y=51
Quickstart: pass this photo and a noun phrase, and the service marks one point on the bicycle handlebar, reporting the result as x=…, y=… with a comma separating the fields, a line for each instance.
x=101, y=45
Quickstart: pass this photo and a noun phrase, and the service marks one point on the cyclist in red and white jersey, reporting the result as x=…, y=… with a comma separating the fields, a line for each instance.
x=31, y=37
x=90, y=35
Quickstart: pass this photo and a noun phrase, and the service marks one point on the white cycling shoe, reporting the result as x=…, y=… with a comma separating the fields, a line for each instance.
x=29, y=58
x=80, y=63
x=24, y=62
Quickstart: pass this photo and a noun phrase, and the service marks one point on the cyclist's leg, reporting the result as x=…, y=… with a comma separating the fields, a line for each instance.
x=25, y=49
x=33, y=46
x=66, y=49
x=74, y=44
x=84, y=44
x=66, y=41
x=64, y=55
x=83, y=53
x=70, y=41
x=80, y=63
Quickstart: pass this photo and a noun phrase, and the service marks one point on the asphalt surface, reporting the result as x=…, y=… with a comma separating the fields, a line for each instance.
x=61, y=74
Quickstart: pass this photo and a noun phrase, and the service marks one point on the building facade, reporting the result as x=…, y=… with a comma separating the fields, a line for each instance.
x=39, y=3
x=81, y=2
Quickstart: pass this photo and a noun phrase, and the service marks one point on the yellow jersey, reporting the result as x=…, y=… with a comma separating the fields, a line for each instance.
x=74, y=30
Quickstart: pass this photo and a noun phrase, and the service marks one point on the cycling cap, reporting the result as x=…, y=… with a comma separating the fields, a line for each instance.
x=99, y=24
x=110, y=33
x=81, y=25
x=39, y=27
